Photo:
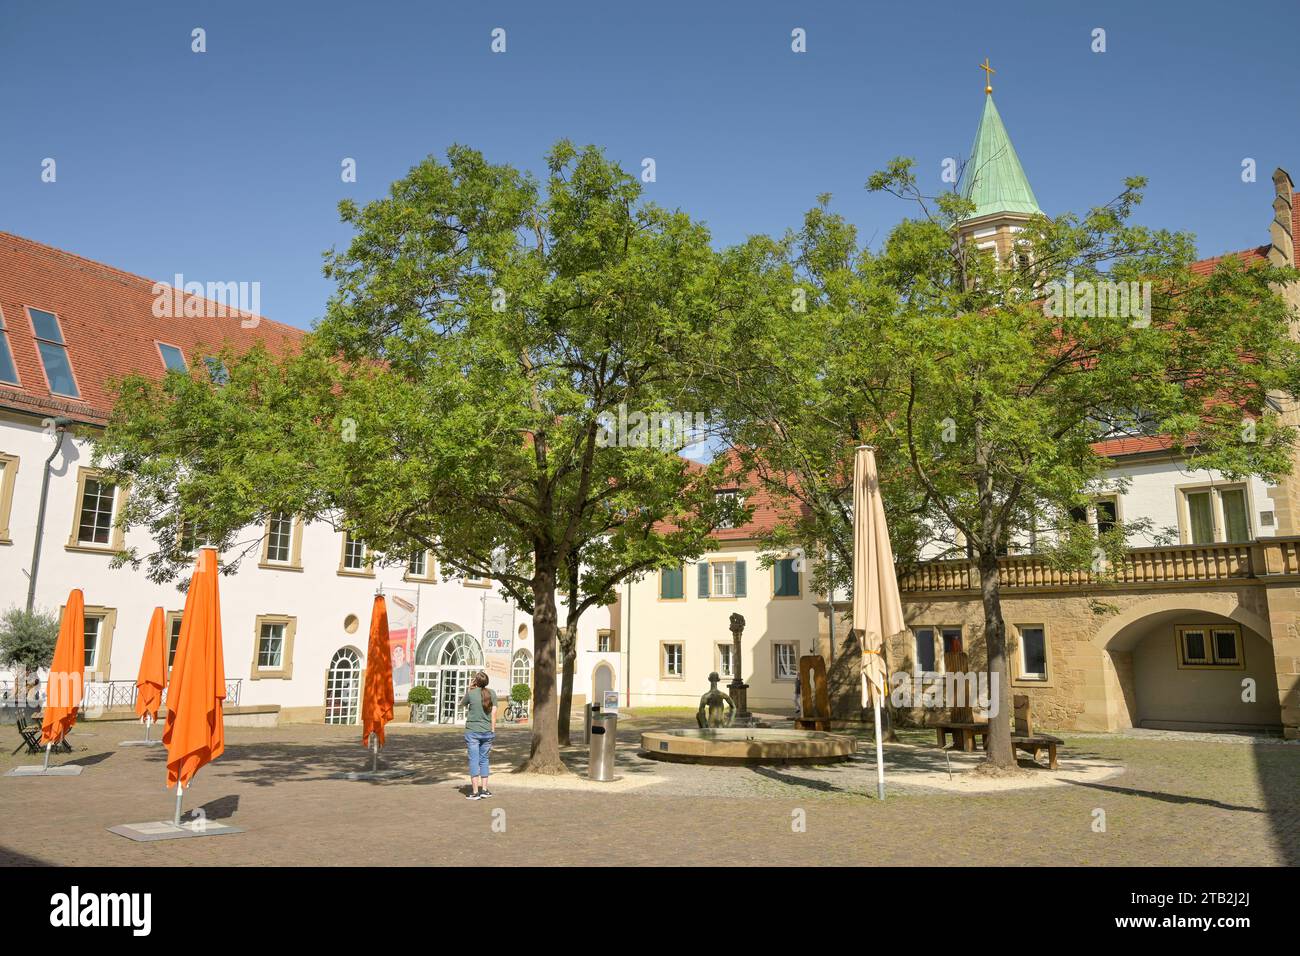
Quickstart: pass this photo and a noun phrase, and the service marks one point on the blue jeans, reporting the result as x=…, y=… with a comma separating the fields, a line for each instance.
x=480, y=744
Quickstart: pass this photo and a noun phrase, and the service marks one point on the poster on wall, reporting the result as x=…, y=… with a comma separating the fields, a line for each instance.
x=498, y=642
x=403, y=610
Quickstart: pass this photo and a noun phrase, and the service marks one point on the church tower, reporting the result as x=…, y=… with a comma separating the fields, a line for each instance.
x=994, y=180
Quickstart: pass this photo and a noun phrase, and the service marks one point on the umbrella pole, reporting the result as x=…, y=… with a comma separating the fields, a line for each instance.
x=374, y=753
x=148, y=723
x=47, y=756
x=880, y=750
x=180, y=790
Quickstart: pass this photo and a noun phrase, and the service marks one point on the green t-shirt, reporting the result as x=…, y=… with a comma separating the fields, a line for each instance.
x=477, y=721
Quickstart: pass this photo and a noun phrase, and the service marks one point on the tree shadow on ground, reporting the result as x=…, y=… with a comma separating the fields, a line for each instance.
x=1166, y=797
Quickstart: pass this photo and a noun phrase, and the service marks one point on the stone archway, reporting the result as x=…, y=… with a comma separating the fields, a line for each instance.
x=1152, y=682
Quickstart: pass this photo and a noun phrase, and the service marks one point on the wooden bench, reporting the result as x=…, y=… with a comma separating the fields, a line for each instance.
x=1024, y=738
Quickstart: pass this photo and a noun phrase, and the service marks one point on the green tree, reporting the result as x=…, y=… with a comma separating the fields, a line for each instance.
x=459, y=395
x=986, y=386
x=27, y=640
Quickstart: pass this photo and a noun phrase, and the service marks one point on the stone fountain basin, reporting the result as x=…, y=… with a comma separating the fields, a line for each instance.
x=741, y=745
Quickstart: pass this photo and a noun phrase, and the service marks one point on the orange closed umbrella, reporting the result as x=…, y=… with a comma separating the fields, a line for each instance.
x=66, y=685
x=377, y=702
x=195, y=734
x=153, y=669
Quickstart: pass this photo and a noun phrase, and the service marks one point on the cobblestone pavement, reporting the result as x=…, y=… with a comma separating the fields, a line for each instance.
x=1179, y=801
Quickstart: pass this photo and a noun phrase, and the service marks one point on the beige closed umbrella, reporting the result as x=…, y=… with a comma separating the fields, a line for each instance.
x=877, y=608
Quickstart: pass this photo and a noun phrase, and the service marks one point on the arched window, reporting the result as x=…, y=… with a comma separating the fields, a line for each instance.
x=343, y=687
x=521, y=669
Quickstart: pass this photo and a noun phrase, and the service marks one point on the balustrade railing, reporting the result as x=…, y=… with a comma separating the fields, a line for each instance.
x=1175, y=564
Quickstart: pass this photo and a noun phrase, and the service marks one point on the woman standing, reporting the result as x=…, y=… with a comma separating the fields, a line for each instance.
x=480, y=730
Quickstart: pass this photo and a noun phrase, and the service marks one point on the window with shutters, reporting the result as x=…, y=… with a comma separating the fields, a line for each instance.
x=722, y=579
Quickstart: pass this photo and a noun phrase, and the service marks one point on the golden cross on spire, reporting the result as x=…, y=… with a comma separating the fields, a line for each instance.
x=988, y=75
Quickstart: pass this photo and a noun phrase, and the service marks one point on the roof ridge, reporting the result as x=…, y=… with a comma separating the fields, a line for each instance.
x=130, y=278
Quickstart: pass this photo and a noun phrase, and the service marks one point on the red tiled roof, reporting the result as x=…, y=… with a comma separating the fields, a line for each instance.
x=1259, y=253
x=769, y=510
x=1134, y=445
x=106, y=316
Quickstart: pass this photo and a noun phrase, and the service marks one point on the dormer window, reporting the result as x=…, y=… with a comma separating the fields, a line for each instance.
x=54, y=353
x=173, y=358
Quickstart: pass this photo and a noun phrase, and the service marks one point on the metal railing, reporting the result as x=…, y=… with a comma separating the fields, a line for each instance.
x=120, y=694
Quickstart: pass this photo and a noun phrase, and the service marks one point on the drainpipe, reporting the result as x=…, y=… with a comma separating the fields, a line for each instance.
x=60, y=427
x=627, y=642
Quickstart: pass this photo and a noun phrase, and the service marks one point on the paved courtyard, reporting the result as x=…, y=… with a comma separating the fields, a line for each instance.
x=1166, y=799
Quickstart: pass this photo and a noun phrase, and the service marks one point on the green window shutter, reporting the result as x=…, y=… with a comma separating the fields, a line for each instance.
x=1199, y=510
x=786, y=578
x=740, y=579
x=703, y=567
x=670, y=583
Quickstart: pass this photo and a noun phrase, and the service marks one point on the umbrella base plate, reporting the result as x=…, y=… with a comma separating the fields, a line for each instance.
x=35, y=771
x=372, y=775
x=140, y=743
x=166, y=830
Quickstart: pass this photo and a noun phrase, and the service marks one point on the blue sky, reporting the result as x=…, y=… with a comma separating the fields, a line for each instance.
x=225, y=165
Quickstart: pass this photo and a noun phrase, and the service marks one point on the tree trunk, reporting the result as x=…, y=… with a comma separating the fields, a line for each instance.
x=544, y=754
x=568, y=648
x=1000, y=753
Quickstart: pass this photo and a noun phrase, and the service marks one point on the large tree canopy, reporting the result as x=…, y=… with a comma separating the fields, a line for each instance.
x=463, y=393
x=987, y=385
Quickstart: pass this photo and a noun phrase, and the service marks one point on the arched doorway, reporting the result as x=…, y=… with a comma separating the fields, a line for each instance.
x=1194, y=665
x=602, y=679
x=343, y=687
x=444, y=662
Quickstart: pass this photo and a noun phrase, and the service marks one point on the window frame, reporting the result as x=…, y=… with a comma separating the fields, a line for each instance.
x=1023, y=677
x=775, y=657
x=8, y=346
x=285, y=670
x=8, y=481
x=1218, y=519
x=116, y=536
x=62, y=343
x=185, y=366
x=172, y=621
x=714, y=595
x=936, y=650
x=294, y=561
x=664, y=673
x=102, y=664
x=368, y=566
x=1211, y=661
x=430, y=568
x=718, y=648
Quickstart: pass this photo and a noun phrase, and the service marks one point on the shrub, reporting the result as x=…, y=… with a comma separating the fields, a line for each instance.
x=521, y=693
x=420, y=695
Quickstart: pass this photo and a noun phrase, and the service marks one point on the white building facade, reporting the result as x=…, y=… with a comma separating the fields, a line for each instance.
x=295, y=614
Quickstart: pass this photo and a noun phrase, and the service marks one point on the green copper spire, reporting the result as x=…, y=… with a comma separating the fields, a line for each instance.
x=993, y=178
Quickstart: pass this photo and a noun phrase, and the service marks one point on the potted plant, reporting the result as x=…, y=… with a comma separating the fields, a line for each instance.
x=420, y=697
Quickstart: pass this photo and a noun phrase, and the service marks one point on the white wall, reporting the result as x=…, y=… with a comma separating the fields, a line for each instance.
x=318, y=596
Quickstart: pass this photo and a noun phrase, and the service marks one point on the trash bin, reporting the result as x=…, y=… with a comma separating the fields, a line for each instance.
x=586, y=724
x=600, y=759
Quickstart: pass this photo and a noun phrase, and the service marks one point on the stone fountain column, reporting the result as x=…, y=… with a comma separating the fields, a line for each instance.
x=738, y=688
